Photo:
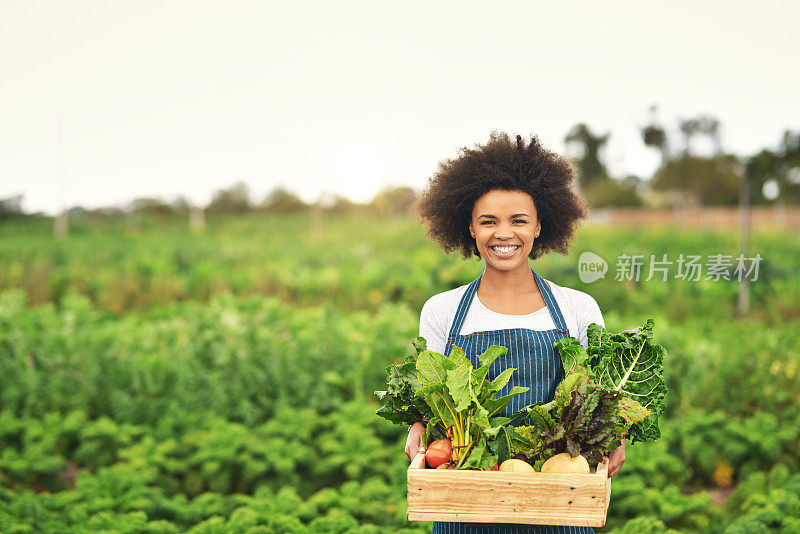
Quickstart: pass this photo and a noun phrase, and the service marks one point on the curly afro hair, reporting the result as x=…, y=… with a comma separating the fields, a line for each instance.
x=445, y=206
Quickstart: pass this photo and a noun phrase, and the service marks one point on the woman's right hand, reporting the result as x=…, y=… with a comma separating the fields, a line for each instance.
x=414, y=441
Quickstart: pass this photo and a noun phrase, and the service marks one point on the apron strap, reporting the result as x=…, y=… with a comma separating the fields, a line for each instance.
x=469, y=294
x=550, y=301
x=463, y=308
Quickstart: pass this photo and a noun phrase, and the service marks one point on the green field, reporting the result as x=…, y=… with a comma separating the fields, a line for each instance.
x=152, y=380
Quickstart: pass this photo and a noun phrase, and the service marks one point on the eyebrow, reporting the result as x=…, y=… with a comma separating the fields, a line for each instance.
x=515, y=215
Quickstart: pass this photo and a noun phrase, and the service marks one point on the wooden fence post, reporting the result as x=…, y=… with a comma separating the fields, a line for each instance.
x=744, y=242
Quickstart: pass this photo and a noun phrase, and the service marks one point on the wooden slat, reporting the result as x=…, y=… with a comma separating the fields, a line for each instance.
x=509, y=497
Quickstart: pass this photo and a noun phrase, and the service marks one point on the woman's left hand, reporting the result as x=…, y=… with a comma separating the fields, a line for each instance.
x=616, y=459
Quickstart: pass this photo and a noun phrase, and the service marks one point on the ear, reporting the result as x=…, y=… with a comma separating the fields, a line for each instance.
x=471, y=229
x=538, y=228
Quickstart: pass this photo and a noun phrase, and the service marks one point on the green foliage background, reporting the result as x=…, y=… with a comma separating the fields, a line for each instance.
x=152, y=380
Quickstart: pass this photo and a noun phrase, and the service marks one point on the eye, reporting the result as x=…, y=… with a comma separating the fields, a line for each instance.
x=485, y=223
x=520, y=221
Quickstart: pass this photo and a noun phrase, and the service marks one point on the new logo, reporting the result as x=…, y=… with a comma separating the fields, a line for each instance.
x=591, y=267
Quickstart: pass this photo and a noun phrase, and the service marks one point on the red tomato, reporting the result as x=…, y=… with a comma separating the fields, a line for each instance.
x=495, y=467
x=439, y=452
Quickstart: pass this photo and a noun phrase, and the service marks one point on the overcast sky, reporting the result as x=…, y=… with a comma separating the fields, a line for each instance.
x=185, y=97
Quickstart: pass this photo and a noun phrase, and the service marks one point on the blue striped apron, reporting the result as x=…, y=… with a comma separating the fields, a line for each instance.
x=538, y=366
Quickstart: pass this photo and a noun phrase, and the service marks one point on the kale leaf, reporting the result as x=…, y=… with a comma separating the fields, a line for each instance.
x=630, y=362
x=400, y=403
x=611, y=390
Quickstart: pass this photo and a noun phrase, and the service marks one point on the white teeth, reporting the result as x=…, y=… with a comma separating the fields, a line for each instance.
x=505, y=250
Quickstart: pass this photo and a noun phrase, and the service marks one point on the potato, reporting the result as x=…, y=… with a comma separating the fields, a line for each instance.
x=516, y=465
x=564, y=463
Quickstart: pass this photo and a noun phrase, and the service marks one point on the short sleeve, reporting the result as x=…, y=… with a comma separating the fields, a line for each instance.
x=588, y=313
x=433, y=323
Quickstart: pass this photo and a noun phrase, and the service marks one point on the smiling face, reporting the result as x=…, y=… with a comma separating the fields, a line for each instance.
x=505, y=224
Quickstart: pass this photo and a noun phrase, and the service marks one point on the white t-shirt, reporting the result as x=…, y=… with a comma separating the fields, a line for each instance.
x=436, y=318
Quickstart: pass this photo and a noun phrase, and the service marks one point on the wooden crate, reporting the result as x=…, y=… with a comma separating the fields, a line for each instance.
x=504, y=497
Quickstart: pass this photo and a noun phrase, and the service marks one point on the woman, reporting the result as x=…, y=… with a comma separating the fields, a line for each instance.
x=506, y=202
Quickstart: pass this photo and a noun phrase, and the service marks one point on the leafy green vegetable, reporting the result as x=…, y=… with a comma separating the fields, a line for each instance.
x=464, y=402
x=432, y=367
x=610, y=390
x=502, y=441
x=588, y=422
x=574, y=358
x=631, y=411
x=613, y=389
x=630, y=362
x=481, y=456
x=399, y=403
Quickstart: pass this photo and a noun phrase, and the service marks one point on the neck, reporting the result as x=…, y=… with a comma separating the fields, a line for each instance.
x=516, y=281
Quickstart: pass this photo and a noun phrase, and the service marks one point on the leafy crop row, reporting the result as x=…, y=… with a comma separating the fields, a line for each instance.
x=246, y=414
x=164, y=382
x=238, y=359
x=362, y=263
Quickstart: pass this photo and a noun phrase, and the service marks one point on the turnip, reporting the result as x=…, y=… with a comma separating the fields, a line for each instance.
x=516, y=465
x=565, y=463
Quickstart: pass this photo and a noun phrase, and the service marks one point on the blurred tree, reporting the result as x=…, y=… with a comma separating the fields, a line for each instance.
x=235, y=199
x=760, y=169
x=394, y=200
x=709, y=126
x=634, y=182
x=589, y=163
x=689, y=128
x=77, y=212
x=791, y=146
x=777, y=170
x=280, y=200
x=700, y=125
x=11, y=207
x=790, y=166
x=98, y=213
x=712, y=180
x=610, y=193
x=181, y=205
x=151, y=206
x=655, y=136
x=343, y=206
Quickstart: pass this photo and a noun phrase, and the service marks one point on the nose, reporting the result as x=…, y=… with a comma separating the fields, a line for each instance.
x=504, y=231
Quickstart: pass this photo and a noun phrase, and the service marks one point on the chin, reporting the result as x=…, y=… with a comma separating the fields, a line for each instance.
x=507, y=267
x=504, y=268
